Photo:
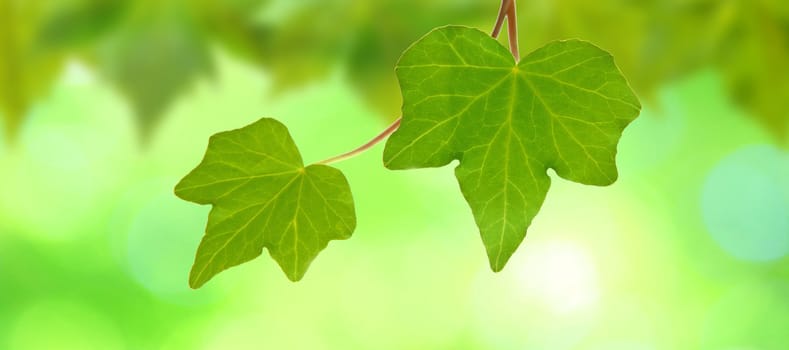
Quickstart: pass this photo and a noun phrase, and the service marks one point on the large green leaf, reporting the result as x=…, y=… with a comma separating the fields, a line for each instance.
x=263, y=196
x=564, y=106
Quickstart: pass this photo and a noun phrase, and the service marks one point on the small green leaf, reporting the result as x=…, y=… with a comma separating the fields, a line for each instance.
x=564, y=106
x=263, y=196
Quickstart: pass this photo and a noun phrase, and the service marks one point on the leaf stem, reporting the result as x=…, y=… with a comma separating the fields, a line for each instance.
x=508, y=11
x=500, y=18
x=505, y=5
x=512, y=30
x=382, y=136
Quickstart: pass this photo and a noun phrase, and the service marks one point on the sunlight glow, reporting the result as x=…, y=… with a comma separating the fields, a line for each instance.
x=562, y=275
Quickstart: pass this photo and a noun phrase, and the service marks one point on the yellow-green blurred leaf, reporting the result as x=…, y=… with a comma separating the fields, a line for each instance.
x=25, y=73
x=73, y=23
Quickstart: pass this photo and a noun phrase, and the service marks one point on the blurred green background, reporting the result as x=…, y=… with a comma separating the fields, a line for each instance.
x=106, y=104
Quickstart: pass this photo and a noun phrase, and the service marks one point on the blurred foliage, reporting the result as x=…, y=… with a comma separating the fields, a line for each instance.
x=367, y=38
x=25, y=71
x=152, y=51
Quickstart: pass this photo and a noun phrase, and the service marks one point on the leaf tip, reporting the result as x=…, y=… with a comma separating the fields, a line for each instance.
x=294, y=278
x=294, y=275
x=608, y=178
x=198, y=277
x=178, y=190
x=497, y=265
x=498, y=259
x=388, y=164
x=195, y=282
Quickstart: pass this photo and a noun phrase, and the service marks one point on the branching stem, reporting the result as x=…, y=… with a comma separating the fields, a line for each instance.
x=512, y=30
x=508, y=12
x=505, y=5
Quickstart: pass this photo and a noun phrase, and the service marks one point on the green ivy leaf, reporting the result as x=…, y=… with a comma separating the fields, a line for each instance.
x=263, y=196
x=564, y=106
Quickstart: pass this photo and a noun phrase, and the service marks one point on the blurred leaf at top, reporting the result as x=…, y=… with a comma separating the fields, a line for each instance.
x=755, y=59
x=365, y=37
x=25, y=71
x=153, y=50
x=153, y=58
